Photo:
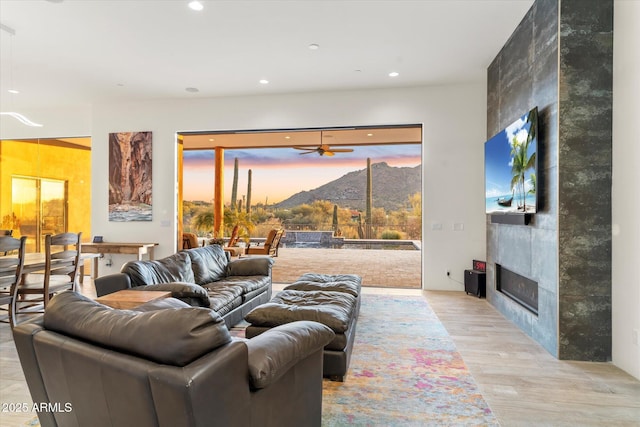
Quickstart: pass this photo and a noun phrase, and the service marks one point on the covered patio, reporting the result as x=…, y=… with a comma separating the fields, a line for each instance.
x=377, y=267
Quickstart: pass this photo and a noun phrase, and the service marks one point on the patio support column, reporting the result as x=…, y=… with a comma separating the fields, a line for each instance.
x=218, y=198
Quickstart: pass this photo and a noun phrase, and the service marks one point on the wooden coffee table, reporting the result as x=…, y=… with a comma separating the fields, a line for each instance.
x=127, y=298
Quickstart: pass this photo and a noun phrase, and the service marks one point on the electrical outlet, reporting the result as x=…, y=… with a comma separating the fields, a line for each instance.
x=108, y=262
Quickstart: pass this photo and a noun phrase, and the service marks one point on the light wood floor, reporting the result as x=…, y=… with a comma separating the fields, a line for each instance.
x=521, y=382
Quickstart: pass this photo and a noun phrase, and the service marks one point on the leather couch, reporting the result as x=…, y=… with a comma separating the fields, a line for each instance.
x=202, y=277
x=168, y=364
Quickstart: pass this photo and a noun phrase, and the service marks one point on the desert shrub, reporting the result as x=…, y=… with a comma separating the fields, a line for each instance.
x=391, y=235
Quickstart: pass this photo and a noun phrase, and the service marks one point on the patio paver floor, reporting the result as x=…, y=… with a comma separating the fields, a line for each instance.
x=377, y=267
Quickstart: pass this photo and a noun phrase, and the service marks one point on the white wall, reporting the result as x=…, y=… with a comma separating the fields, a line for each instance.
x=626, y=187
x=453, y=119
x=454, y=127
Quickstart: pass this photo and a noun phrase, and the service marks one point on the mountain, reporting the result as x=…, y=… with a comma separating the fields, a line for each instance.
x=392, y=187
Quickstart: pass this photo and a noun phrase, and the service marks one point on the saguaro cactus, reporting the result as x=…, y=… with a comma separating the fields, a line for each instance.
x=234, y=188
x=249, y=193
x=367, y=220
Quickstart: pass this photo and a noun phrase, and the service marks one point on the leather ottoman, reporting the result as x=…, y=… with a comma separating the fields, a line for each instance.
x=335, y=309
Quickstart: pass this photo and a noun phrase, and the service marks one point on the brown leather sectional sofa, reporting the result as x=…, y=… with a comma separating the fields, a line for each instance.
x=202, y=277
x=167, y=365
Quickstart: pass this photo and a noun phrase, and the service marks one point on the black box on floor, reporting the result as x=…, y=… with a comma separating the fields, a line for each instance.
x=475, y=283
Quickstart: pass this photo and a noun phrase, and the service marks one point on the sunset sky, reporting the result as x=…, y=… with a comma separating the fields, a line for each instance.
x=278, y=173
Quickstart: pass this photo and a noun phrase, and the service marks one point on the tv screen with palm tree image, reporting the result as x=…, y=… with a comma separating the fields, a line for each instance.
x=510, y=164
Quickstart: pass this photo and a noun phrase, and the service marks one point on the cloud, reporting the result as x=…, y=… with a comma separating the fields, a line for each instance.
x=513, y=129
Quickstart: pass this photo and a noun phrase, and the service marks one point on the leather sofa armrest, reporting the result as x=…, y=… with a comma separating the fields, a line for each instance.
x=23, y=337
x=212, y=390
x=277, y=350
x=111, y=283
x=192, y=294
x=250, y=267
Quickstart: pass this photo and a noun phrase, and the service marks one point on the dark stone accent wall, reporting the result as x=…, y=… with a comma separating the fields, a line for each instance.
x=559, y=59
x=585, y=127
x=522, y=76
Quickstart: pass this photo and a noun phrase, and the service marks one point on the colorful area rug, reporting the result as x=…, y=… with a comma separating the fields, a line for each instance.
x=404, y=371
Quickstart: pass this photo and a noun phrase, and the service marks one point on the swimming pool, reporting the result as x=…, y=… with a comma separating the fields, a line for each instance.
x=406, y=245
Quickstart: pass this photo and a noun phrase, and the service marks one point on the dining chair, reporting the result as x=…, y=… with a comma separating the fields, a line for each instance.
x=5, y=233
x=61, y=273
x=10, y=271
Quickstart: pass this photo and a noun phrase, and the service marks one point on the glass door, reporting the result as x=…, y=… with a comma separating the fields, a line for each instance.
x=41, y=208
x=24, y=199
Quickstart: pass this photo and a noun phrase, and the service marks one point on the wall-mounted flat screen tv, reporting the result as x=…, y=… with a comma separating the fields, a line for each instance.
x=510, y=164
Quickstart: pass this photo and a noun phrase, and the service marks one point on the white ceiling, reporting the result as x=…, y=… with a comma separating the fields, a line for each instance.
x=83, y=52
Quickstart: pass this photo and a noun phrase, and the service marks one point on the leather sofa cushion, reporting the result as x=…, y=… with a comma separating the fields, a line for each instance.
x=348, y=286
x=247, y=283
x=273, y=353
x=174, y=268
x=209, y=263
x=162, y=304
x=325, y=278
x=253, y=266
x=224, y=296
x=333, y=309
x=194, y=295
x=174, y=336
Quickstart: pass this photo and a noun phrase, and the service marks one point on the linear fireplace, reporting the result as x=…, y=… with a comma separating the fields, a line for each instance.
x=520, y=289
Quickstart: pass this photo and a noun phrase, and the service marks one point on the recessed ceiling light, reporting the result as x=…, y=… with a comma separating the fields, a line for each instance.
x=13, y=91
x=394, y=74
x=196, y=5
x=287, y=137
x=264, y=82
x=314, y=46
x=369, y=134
x=192, y=89
x=211, y=139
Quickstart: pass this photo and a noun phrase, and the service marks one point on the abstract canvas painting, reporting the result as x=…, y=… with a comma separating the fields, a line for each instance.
x=130, y=195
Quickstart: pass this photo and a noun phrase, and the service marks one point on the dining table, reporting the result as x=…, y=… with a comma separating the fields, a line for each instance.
x=132, y=248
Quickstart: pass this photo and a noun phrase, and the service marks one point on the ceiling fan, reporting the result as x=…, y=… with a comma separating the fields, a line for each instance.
x=324, y=150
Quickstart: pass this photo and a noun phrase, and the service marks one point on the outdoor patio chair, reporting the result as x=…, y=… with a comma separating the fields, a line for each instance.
x=189, y=240
x=270, y=246
x=232, y=247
